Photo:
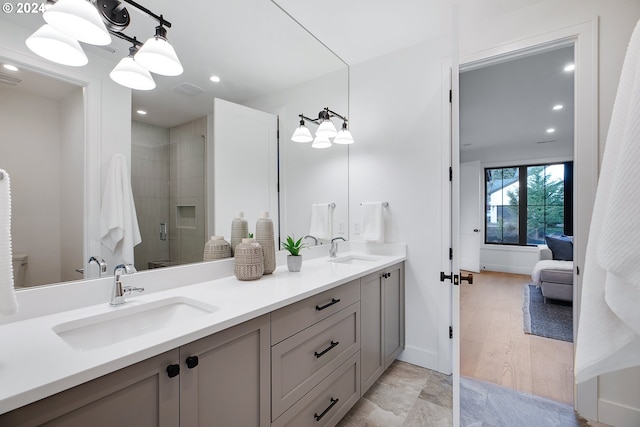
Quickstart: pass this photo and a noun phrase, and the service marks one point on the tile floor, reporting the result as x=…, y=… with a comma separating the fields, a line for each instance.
x=405, y=395
x=410, y=396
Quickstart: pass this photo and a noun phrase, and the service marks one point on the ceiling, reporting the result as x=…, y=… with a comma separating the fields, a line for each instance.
x=511, y=102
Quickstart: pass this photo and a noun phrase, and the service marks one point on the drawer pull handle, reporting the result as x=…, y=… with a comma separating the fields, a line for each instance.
x=333, y=403
x=333, y=301
x=323, y=352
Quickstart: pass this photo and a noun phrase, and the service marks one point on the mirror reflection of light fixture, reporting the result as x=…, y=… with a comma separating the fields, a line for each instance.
x=130, y=74
x=51, y=44
x=78, y=19
x=92, y=21
x=326, y=129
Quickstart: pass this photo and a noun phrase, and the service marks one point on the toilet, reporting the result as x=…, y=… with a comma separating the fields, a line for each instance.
x=20, y=261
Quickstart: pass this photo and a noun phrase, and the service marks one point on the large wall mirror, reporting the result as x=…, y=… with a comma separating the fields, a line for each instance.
x=265, y=61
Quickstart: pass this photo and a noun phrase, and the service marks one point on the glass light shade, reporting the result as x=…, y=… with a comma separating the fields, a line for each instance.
x=326, y=129
x=343, y=137
x=302, y=134
x=321, y=142
x=158, y=56
x=78, y=19
x=51, y=44
x=130, y=74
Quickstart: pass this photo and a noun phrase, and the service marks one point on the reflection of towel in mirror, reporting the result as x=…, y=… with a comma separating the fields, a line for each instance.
x=372, y=222
x=8, y=303
x=609, y=329
x=320, y=227
x=118, y=220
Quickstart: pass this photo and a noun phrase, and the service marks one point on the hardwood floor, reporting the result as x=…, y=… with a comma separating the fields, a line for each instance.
x=494, y=348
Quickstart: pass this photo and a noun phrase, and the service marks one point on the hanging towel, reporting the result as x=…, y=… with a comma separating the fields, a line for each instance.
x=8, y=302
x=321, y=221
x=608, y=337
x=119, y=230
x=372, y=222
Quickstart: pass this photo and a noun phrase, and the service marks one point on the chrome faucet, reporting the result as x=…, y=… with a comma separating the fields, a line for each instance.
x=119, y=291
x=101, y=264
x=333, y=251
x=312, y=237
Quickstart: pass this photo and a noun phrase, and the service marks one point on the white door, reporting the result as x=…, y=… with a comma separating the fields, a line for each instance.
x=242, y=136
x=470, y=207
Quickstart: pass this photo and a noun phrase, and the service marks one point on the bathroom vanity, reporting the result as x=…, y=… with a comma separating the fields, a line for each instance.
x=290, y=349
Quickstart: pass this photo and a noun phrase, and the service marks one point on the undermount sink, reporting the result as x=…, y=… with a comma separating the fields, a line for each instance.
x=132, y=321
x=354, y=259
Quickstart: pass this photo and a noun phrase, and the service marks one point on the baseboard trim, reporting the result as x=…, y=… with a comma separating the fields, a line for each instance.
x=420, y=357
x=617, y=415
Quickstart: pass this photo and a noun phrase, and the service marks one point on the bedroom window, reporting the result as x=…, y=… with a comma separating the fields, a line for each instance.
x=525, y=203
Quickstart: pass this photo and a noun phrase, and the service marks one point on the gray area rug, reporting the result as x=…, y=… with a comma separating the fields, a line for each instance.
x=483, y=404
x=551, y=320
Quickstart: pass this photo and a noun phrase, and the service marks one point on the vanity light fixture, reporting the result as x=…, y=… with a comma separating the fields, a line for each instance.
x=326, y=129
x=130, y=74
x=93, y=22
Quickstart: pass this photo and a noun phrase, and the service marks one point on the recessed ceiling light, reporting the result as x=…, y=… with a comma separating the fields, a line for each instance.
x=214, y=79
x=141, y=112
x=558, y=107
x=10, y=67
x=551, y=130
x=570, y=67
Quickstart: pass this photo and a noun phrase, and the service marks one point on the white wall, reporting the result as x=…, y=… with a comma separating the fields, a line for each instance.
x=617, y=19
x=29, y=151
x=396, y=118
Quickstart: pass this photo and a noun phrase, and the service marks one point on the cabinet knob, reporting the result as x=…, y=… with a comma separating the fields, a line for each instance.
x=192, y=362
x=173, y=370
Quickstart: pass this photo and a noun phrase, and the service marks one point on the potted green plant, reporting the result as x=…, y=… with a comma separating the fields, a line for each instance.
x=294, y=259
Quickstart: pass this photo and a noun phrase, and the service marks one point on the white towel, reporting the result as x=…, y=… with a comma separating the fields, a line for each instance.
x=8, y=302
x=321, y=221
x=372, y=222
x=608, y=337
x=119, y=230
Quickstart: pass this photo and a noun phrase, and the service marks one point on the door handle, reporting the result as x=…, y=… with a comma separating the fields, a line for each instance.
x=476, y=230
x=468, y=278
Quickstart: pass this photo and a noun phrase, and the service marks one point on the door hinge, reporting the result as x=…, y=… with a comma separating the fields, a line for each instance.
x=450, y=332
x=450, y=253
x=450, y=174
x=450, y=95
x=444, y=277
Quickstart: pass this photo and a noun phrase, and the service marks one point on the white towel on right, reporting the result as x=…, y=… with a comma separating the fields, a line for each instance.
x=321, y=221
x=608, y=333
x=8, y=302
x=372, y=222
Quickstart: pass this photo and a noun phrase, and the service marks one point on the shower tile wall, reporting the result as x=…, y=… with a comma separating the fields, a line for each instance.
x=150, y=185
x=187, y=190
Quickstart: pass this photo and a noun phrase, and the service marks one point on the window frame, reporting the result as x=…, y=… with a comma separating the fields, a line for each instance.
x=523, y=200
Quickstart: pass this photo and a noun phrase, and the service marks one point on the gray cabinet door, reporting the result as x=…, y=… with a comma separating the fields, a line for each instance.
x=371, y=330
x=139, y=395
x=230, y=385
x=393, y=312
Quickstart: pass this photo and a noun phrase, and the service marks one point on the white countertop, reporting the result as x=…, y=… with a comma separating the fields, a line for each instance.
x=35, y=362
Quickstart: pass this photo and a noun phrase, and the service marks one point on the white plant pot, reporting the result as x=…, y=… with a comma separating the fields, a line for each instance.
x=294, y=263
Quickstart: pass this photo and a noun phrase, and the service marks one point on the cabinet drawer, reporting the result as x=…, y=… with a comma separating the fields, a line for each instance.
x=300, y=362
x=329, y=401
x=298, y=316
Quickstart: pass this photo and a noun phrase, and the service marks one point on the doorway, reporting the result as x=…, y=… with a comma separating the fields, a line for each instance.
x=516, y=135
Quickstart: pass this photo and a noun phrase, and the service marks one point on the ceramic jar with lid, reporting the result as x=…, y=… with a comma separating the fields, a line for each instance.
x=249, y=260
x=216, y=248
x=264, y=236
